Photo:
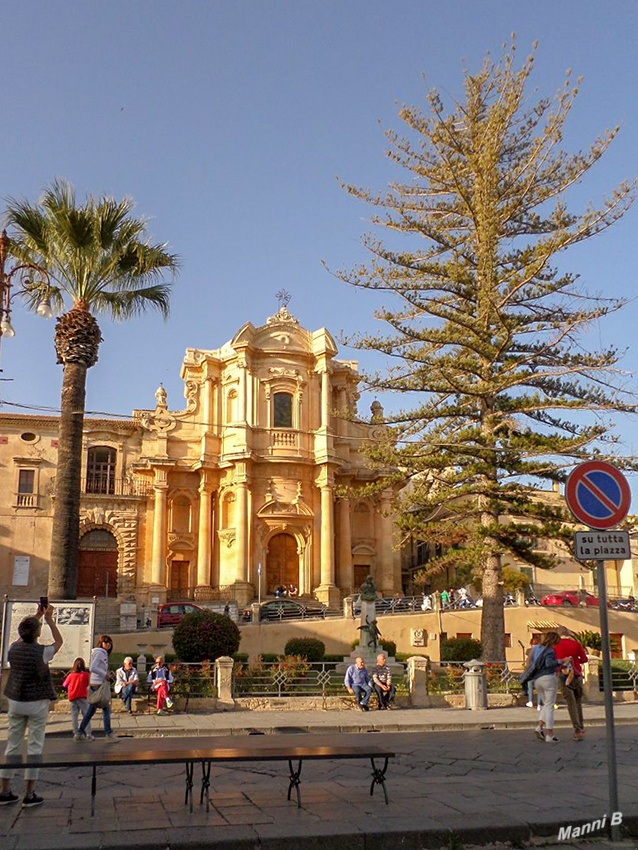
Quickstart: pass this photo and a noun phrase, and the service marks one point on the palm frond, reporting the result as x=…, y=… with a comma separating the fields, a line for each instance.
x=122, y=304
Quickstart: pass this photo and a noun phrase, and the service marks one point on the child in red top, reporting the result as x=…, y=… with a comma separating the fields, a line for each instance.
x=77, y=686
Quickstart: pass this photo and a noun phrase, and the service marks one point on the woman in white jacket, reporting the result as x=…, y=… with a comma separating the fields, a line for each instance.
x=99, y=670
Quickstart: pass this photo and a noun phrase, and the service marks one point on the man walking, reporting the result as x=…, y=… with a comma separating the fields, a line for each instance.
x=382, y=683
x=357, y=681
x=572, y=692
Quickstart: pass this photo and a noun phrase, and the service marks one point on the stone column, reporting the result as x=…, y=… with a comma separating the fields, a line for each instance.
x=158, y=562
x=343, y=407
x=241, y=401
x=387, y=554
x=325, y=399
x=346, y=575
x=241, y=526
x=204, y=542
x=327, y=592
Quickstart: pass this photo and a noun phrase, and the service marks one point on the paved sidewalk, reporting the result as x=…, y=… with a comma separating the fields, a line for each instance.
x=408, y=719
x=482, y=785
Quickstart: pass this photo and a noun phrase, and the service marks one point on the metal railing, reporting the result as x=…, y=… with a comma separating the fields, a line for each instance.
x=449, y=677
x=624, y=676
x=101, y=485
x=294, y=677
x=190, y=681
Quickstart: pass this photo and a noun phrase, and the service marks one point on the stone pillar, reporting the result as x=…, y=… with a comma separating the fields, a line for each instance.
x=241, y=531
x=591, y=687
x=224, y=676
x=325, y=399
x=158, y=562
x=417, y=672
x=241, y=400
x=342, y=427
x=520, y=597
x=327, y=592
x=387, y=553
x=204, y=541
x=254, y=613
x=347, y=607
x=346, y=574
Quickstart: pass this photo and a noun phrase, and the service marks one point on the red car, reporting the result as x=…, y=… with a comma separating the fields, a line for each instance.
x=571, y=597
x=172, y=612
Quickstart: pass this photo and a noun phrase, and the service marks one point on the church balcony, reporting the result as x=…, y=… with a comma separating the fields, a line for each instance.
x=287, y=439
x=107, y=486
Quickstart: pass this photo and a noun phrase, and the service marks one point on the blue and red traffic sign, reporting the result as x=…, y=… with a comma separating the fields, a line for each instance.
x=598, y=494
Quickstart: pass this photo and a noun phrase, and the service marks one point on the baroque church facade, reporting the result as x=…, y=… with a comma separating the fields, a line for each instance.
x=237, y=493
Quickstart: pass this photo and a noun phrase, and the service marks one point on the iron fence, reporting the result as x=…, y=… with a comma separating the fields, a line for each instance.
x=295, y=677
x=449, y=677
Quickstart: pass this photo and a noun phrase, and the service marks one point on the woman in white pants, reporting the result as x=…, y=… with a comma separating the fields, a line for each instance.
x=30, y=692
x=545, y=680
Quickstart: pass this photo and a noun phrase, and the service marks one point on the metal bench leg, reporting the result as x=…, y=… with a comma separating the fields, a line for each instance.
x=295, y=781
x=205, y=784
x=93, y=790
x=378, y=778
x=188, y=797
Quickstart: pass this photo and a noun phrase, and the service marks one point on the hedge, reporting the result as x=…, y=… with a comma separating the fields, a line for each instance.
x=311, y=649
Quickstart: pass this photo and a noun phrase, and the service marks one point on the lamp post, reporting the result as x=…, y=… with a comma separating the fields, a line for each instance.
x=44, y=307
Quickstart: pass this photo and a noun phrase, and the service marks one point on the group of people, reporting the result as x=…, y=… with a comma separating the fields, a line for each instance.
x=282, y=592
x=556, y=660
x=29, y=692
x=361, y=683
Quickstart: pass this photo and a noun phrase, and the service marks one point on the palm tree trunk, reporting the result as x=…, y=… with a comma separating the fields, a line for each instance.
x=63, y=570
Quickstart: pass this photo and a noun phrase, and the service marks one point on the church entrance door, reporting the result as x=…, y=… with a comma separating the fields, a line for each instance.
x=282, y=562
x=97, y=564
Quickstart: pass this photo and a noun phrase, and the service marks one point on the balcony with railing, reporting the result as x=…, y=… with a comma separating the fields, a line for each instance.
x=26, y=500
x=106, y=485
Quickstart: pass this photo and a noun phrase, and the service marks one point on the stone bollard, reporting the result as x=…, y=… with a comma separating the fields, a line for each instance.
x=348, y=602
x=475, y=685
x=418, y=681
x=591, y=687
x=436, y=601
x=255, y=609
x=141, y=663
x=224, y=677
x=520, y=598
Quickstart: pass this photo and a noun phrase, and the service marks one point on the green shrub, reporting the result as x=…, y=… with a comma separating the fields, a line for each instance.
x=205, y=636
x=461, y=649
x=240, y=656
x=311, y=649
x=333, y=658
x=269, y=656
x=389, y=646
x=590, y=639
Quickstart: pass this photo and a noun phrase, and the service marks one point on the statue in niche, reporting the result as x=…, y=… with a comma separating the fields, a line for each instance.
x=368, y=590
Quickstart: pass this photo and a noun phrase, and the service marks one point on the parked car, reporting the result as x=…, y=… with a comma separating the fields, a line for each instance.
x=171, y=613
x=287, y=609
x=571, y=597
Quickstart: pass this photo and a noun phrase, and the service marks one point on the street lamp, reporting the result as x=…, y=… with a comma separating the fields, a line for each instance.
x=44, y=307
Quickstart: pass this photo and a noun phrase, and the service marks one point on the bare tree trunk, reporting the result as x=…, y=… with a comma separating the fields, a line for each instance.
x=63, y=569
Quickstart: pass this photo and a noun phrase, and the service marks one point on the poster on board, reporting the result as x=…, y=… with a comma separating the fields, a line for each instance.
x=75, y=620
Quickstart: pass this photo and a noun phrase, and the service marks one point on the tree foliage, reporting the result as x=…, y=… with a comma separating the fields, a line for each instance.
x=482, y=330
x=205, y=636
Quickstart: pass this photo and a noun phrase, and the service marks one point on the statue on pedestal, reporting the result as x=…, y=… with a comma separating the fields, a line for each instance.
x=368, y=590
x=373, y=633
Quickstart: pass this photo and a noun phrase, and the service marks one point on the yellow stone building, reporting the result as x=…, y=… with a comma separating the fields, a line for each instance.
x=190, y=503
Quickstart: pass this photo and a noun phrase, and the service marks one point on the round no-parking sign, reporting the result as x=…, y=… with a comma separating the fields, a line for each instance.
x=598, y=494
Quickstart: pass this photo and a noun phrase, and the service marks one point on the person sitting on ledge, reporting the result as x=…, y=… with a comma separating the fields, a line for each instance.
x=126, y=682
x=357, y=681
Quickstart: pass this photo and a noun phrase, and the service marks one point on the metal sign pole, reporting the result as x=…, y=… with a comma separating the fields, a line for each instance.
x=612, y=772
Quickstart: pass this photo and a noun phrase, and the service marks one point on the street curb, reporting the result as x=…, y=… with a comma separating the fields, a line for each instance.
x=195, y=732
x=434, y=836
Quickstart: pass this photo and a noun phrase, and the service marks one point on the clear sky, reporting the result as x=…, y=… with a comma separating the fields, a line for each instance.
x=229, y=124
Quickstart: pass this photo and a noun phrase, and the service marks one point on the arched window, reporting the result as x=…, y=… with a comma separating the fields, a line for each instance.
x=231, y=400
x=282, y=410
x=100, y=470
x=181, y=514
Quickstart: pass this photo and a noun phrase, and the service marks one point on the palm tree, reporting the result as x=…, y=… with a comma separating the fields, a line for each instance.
x=98, y=258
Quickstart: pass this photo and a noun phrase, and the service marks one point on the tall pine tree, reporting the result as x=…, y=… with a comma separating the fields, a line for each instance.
x=483, y=337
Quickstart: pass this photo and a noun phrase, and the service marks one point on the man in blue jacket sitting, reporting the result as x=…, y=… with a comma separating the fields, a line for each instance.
x=357, y=682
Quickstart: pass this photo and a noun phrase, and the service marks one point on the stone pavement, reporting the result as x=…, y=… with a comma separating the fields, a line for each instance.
x=483, y=785
x=399, y=720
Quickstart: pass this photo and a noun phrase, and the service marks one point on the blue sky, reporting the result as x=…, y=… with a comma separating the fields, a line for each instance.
x=229, y=124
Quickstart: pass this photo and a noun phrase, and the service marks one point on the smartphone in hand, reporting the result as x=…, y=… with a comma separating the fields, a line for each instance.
x=44, y=603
